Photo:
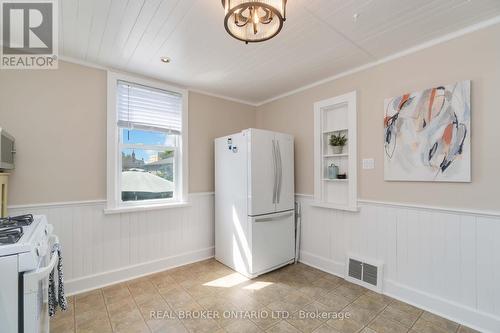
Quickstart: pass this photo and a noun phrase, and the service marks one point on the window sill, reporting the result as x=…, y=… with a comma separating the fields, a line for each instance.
x=141, y=208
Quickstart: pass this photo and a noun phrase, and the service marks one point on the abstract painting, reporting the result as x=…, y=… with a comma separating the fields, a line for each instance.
x=427, y=135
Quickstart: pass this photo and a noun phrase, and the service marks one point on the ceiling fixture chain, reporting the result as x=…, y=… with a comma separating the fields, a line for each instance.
x=254, y=21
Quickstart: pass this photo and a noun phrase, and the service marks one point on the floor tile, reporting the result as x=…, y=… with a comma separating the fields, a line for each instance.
x=121, y=307
x=200, y=291
x=369, y=303
x=116, y=296
x=305, y=325
x=249, y=303
x=314, y=292
x=440, y=322
x=404, y=318
x=325, y=329
x=367, y=330
x=122, y=321
x=380, y=297
x=423, y=326
x=89, y=316
x=282, y=327
x=178, y=299
x=242, y=326
x=290, y=308
x=326, y=284
x=266, y=318
x=345, y=325
x=89, y=296
x=360, y=314
x=310, y=317
x=155, y=306
x=334, y=302
x=63, y=325
x=96, y=325
x=166, y=326
x=398, y=305
x=298, y=299
x=133, y=328
x=382, y=325
x=349, y=291
x=163, y=302
x=464, y=329
x=201, y=325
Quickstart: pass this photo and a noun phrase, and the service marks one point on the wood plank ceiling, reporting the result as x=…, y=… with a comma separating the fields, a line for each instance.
x=320, y=39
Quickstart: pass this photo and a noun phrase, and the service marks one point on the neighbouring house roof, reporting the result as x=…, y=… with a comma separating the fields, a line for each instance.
x=137, y=181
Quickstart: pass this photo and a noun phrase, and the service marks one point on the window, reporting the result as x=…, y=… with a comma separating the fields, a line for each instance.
x=146, y=144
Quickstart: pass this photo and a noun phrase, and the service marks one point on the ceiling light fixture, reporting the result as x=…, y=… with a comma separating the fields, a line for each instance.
x=165, y=60
x=254, y=21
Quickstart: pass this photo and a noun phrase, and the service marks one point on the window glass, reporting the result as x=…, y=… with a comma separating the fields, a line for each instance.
x=147, y=174
x=134, y=136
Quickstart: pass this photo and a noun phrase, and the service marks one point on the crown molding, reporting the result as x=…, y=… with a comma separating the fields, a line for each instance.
x=414, y=49
x=104, y=68
x=82, y=63
x=227, y=98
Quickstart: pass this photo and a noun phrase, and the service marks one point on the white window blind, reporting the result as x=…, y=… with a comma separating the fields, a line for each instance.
x=148, y=108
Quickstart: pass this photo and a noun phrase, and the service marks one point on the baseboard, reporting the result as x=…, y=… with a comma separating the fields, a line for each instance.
x=459, y=313
x=104, y=279
x=323, y=264
x=467, y=316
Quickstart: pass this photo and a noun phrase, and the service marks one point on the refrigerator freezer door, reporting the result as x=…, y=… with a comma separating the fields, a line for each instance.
x=273, y=241
x=286, y=189
x=262, y=181
x=231, y=217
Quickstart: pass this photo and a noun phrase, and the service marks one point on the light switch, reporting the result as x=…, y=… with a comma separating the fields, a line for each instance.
x=368, y=164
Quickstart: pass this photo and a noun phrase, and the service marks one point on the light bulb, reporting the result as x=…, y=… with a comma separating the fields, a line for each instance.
x=255, y=16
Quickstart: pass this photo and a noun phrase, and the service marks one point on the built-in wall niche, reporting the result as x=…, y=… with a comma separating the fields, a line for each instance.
x=335, y=173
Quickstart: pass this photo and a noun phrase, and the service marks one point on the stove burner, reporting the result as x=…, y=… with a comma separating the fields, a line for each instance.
x=10, y=235
x=16, y=221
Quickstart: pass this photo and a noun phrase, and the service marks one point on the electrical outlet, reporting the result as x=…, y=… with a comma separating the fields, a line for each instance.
x=368, y=164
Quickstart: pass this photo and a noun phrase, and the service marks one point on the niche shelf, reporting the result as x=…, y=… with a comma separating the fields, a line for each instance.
x=335, y=116
x=335, y=155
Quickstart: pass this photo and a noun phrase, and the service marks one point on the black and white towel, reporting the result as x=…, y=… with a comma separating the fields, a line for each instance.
x=57, y=298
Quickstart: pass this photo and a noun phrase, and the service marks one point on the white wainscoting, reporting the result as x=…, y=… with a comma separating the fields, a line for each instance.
x=442, y=260
x=101, y=249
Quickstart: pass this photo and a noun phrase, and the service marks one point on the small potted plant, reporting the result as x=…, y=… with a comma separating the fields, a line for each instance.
x=337, y=142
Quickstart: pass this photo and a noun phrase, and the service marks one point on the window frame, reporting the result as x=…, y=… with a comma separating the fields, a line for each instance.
x=114, y=146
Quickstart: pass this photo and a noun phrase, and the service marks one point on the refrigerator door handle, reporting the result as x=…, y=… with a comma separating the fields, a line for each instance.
x=280, y=172
x=275, y=217
x=275, y=172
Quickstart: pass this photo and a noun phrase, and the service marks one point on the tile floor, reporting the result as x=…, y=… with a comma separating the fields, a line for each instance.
x=294, y=299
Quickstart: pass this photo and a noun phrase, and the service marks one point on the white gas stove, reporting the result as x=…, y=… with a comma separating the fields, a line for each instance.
x=25, y=264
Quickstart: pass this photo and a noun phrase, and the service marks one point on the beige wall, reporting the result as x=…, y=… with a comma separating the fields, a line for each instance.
x=475, y=56
x=210, y=118
x=59, y=121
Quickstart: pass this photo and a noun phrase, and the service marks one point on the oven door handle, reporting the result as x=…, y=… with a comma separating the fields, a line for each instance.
x=31, y=279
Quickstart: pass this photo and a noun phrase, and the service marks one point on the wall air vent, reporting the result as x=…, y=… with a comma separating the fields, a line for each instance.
x=355, y=269
x=365, y=273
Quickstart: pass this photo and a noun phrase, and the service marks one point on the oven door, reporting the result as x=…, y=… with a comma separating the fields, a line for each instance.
x=36, y=292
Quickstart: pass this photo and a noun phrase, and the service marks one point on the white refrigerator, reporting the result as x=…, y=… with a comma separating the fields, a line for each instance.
x=254, y=201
